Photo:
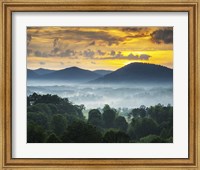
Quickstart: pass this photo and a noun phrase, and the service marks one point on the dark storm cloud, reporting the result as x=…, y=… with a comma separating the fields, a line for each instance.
x=163, y=36
x=103, y=37
x=78, y=35
x=136, y=32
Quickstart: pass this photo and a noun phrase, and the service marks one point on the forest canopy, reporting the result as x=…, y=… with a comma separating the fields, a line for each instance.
x=52, y=119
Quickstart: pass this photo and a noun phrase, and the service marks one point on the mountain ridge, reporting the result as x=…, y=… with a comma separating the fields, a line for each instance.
x=138, y=72
x=131, y=73
x=103, y=72
x=71, y=74
x=42, y=71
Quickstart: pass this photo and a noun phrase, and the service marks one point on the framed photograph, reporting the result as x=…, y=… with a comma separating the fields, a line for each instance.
x=89, y=84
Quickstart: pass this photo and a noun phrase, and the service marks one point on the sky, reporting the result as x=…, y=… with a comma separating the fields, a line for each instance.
x=94, y=48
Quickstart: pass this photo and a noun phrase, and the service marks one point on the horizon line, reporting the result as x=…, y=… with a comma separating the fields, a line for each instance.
x=98, y=69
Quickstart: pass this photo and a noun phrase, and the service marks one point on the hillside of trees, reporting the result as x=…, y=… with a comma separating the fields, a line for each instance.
x=52, y=119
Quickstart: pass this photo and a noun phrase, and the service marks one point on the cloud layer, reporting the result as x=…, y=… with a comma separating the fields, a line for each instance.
x=163, y=36
x=75, y=44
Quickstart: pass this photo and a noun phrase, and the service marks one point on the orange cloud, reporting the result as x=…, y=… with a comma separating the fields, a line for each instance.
x=91, y=47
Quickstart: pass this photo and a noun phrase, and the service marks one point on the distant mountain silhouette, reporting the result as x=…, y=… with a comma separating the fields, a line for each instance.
x=102, y=72
x=131, y=73
x=71, y=74
x=31, y=74
x=138, y=73
x=42, y=71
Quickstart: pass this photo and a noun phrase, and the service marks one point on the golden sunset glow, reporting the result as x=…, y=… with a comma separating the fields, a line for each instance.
x=96, y=48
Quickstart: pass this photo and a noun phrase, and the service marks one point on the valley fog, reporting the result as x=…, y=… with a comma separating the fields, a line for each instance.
x=117, y=96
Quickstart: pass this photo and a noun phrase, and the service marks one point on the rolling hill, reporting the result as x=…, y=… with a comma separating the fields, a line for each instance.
x=102, y=72
x=42, y=71
x=131, y=73
x=31, y=74
x=72, y=74
x=138, y=73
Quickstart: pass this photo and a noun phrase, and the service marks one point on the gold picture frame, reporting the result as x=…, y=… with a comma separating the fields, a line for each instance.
x=9, y=6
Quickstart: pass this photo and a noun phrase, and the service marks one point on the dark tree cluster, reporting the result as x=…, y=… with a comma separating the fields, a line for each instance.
x=52, y=119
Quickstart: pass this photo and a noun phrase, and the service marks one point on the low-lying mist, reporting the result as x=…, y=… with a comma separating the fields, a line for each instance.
x=117, y=96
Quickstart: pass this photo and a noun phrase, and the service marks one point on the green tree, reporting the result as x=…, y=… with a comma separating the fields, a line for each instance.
x=138, y=112
x=106, y=107
x=52, y=138
x=152, y=139
x=143, y=127
x=121, y=124
x=161, y=113
x=108, y=118
x=142, y=111
x=53, y=108
x=59, y=124
x=35, y=133
x=164, y=134
x=122, y=137
x=131, y=133
x=47, y=98
x=81, y=132
x=112, y=136
x=38, y=118
x=40, y=107
x=95, y=118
